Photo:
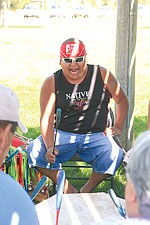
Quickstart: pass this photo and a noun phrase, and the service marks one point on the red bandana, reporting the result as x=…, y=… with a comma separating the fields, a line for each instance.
x=72, y=50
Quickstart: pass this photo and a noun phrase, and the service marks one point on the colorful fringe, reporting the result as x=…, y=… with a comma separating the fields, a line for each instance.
x=16, y=165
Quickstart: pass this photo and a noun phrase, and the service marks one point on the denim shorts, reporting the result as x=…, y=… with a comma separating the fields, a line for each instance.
x=101, y=151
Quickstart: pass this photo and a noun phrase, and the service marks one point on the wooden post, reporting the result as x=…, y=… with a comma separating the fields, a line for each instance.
x=125, y=60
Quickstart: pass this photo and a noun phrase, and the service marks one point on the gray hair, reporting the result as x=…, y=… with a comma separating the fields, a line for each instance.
x=138, y=172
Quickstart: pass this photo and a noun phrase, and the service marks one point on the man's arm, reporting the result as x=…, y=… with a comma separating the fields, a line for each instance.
x=47, y=106
x=119, y=97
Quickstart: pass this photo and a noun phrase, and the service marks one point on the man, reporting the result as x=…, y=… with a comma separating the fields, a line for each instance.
x=16, y=205
x=137, y=193
x=83, y=93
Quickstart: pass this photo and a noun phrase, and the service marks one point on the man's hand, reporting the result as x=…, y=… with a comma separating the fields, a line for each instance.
x=50, y=156
x=112, y=131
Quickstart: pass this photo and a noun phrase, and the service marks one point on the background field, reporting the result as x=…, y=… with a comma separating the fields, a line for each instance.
x=29, y=52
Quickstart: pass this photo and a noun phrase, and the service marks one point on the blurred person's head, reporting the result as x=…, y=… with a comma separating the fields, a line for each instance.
x=9, y=119
x=137, y=191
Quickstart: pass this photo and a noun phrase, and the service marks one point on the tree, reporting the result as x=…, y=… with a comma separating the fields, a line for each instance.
x=126, y=59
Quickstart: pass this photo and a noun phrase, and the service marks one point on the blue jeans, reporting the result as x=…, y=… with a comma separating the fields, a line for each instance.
x=99, y=150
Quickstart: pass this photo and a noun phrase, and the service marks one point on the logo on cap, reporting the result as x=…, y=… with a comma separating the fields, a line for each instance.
x=72, y=49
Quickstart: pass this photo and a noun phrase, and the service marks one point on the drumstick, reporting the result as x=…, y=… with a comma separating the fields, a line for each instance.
x=44, y=178
x=115, y=200
x=58, y=117
x=59, y=192
x=38, y=187
x=117, y=140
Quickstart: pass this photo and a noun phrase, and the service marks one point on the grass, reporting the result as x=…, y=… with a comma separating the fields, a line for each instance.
x=30, y=55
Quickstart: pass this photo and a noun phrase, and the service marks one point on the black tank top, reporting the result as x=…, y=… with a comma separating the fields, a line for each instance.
x=80, y=103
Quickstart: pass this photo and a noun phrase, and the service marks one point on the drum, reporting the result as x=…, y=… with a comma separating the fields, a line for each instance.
x=79, y=209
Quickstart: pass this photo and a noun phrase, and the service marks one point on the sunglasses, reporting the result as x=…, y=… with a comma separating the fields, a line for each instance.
x=77, y=60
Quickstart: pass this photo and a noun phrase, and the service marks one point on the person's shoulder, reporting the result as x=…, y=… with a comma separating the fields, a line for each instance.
x=135, y=221
x=4, y=177
x=48, y=83
x=10, y=185
x=15, y=200
x=125, y=222
x=51, y=77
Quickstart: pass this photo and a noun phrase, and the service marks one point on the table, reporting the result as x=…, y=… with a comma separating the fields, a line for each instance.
x=79, y=209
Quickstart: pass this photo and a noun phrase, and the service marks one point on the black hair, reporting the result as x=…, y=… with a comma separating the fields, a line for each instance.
x=72, y=40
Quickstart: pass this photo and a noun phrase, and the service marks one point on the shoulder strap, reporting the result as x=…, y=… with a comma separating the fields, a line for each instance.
x=56, y=77
x=103, y=93
x=96, y=67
